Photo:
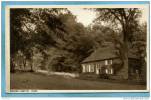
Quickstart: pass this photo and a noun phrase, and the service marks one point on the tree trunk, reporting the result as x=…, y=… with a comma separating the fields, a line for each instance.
x=125, y=65
x=125, y=68
x=24, y=63
x=32, y=69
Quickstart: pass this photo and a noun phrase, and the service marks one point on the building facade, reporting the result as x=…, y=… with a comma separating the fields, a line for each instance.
x=106, y=61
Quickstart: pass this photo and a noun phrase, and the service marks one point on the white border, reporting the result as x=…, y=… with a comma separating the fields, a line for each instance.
x=7, y=43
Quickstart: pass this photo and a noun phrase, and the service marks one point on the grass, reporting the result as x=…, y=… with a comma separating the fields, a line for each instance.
x=29, y=80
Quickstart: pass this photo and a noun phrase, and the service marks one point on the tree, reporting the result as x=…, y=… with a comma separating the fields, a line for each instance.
x=101, y=34
x=16, y=38
x=78, y=44
x=139, y=46
x=34, y=28
x=127, y=20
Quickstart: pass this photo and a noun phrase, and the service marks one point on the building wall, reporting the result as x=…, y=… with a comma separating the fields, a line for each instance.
x=92, y=67
x=118, y=69
x=95, y=67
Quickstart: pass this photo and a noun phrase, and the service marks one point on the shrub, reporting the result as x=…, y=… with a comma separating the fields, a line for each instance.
x=104, y=76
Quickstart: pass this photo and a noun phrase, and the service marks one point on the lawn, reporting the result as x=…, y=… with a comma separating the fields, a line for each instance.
x=29, y=80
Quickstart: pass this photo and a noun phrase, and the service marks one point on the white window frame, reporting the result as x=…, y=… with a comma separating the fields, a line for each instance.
x=84, y=68
x=106, y=62
x=111, y=61
x=106, y=71
x=89, y=67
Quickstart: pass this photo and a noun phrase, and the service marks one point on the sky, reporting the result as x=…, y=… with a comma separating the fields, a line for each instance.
x=83, y=15
x=86, y=17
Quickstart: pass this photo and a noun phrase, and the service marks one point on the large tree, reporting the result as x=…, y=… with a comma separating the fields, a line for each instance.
x=139, y=43
x=34, y=28
x=125, y=19
x=17, y=40
x=78, y=45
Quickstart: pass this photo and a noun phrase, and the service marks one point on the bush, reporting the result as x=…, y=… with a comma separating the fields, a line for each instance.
x=104, y=76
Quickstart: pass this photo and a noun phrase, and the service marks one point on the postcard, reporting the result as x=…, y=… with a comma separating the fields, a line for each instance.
x=75, y=48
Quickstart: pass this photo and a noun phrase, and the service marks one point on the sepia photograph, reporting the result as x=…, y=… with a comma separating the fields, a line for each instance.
x=99, y=48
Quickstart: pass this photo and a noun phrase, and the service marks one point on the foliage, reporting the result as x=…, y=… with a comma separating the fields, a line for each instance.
x=53, y=39
x=34, y=28
x=78, y=45
x=125, y=18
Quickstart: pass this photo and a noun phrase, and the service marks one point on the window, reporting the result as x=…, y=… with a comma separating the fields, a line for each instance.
x=106, y=71
x=111, y=61
x=92, y=68
x=109, y=71
x=108, y=62
x=88, y=68
x=84, y=70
